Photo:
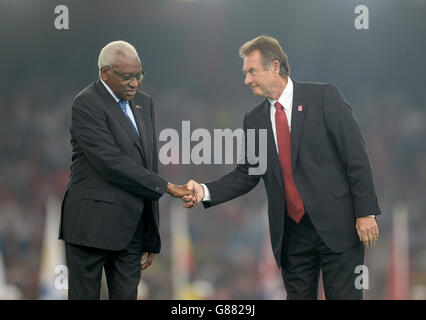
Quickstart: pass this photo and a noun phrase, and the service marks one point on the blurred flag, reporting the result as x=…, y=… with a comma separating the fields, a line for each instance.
x=2, y=267
x=270, y=283
x=53, y=277
x=398, y=274
x=7, y=292
x=182, y=253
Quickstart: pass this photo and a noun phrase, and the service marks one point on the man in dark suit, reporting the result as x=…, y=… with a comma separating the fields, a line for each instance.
x=110, y=210
x=321, y=198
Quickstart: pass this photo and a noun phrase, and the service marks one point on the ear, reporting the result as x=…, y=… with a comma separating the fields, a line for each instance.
x=104, y=73
x=276, y=66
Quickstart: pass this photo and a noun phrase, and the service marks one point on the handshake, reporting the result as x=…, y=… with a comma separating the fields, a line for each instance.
x=191, y=193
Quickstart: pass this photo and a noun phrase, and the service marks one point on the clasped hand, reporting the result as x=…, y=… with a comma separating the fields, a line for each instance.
x=191, y=193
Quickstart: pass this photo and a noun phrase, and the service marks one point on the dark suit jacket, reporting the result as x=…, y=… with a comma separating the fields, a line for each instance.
x=113, y=180
x=330, y=167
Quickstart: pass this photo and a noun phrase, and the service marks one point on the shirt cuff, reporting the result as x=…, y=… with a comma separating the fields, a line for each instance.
x=206, y=193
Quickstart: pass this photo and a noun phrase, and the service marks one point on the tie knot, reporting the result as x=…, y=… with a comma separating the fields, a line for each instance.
x=123, y=104
x=278, y=106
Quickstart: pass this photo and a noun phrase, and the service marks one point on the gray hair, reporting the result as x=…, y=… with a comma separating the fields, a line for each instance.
x=270, y=50
x=108, y=54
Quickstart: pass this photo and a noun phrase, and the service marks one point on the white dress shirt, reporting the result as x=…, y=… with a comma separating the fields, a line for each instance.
x=128, y=110
x=286, y=100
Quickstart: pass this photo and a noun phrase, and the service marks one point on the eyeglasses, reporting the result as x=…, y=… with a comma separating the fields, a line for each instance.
x=129, y=77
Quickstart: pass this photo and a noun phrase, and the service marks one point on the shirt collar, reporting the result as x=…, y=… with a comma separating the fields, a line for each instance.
x=109, y=90
x=286, y=95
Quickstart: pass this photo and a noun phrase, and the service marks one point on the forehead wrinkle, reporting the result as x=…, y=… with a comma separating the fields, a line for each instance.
x=128, y=64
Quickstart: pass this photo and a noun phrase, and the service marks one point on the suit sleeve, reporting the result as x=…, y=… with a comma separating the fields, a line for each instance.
x=347, y=137
x=90, y=129
x=235, y=183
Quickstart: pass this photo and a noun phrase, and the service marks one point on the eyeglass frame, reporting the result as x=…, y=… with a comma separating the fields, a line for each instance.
x=138, y=77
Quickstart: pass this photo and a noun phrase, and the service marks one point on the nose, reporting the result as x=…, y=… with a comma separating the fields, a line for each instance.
x=247, y=79
x=134, y=83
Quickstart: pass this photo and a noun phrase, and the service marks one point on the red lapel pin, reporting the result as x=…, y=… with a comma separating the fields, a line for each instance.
x=300, y=108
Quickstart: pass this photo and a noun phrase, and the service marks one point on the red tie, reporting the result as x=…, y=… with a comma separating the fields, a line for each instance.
x=295, y=208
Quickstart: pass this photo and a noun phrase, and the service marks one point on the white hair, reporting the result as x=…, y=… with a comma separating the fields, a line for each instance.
x=108, y=54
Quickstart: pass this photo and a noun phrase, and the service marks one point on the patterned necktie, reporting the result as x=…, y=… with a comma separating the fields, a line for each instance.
x=295, y=208
x=123, y=105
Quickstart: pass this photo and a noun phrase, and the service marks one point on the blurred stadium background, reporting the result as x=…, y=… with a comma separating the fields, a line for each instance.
x=189, y=50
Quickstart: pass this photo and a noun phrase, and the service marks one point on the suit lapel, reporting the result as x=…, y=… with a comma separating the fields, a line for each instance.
x=273, y=159
x=139, y=114
x=118, y=114
x=297, y=120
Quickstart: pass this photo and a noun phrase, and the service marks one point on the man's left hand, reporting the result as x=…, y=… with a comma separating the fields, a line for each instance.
x=368, y=231
x=146, y=260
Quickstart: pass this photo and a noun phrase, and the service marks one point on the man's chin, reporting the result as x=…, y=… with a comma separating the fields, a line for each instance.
x=257, y=92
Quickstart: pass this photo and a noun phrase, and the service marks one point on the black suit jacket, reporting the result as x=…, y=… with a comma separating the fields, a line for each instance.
x=113, y=180
x=330, y=167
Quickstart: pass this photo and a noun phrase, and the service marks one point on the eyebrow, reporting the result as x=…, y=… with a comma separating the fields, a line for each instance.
x=129, y=73
x=249, y=70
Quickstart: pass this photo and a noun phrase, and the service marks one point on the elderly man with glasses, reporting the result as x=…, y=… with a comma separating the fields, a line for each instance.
x=110, y=209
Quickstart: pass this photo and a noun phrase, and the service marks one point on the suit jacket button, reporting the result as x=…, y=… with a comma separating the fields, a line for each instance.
x=157, y=188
